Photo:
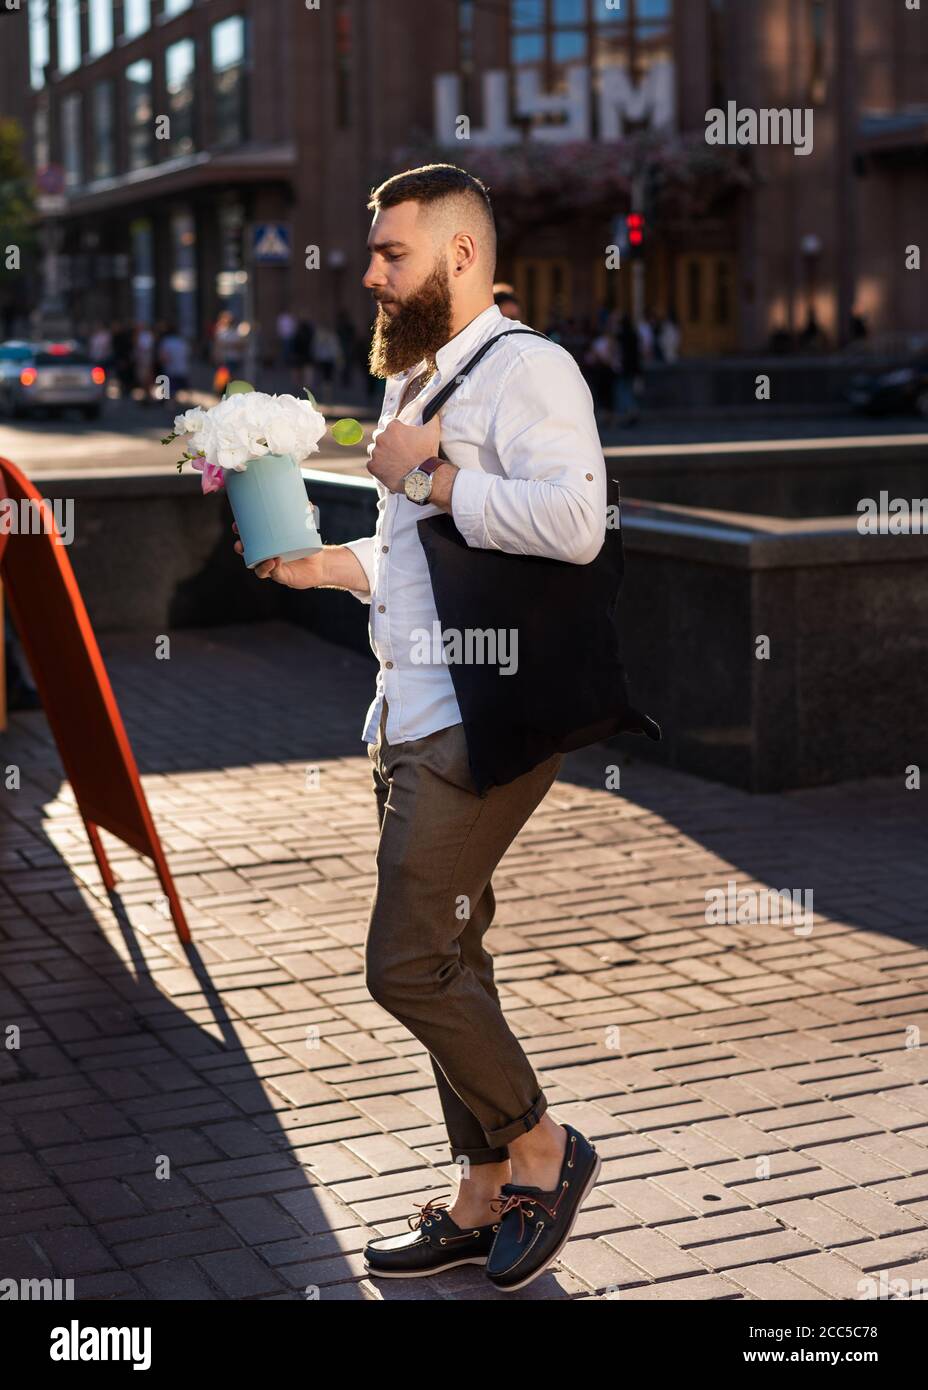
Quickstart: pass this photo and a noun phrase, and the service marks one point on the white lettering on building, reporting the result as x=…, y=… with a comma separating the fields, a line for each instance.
x=619, y=100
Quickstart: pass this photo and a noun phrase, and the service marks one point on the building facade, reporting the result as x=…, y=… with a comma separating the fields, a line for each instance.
x=194, y=155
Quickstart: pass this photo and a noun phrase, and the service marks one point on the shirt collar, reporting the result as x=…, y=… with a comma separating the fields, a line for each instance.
x=451, y=354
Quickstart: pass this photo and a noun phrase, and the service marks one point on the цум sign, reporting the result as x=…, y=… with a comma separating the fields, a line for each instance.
x=618, y=98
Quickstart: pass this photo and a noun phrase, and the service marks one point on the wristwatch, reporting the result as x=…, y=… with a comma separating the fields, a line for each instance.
x=417, y=484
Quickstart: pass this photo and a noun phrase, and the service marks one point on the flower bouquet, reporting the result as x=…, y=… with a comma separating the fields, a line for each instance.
x=253, y=444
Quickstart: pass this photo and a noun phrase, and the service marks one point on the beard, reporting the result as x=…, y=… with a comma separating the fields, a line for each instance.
x=419, y=325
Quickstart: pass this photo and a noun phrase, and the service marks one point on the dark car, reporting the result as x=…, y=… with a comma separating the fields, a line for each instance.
x=51, y=376
x=896, y=387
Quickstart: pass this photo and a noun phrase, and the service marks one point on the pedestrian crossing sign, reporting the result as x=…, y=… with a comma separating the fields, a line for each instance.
x=271, y=243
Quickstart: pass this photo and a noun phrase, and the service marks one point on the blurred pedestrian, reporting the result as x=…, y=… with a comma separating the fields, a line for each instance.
x=327, y=358
x=174, y=360
x=101, y=346
x=286, y=327
x=301, y=354
x=626, y=384
x=812, y=338
x=143, y=360
x=602, y=363
x=646, y=339
x=348, y=344
x=507, y=301
x=123, y=364
x=670, y=338
x=227, y=350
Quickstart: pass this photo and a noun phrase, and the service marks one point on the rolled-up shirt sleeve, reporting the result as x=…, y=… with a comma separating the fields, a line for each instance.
x=364, y=550
x=551, y=497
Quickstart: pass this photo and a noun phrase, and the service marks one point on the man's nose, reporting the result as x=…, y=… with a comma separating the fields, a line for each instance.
x=373, y=278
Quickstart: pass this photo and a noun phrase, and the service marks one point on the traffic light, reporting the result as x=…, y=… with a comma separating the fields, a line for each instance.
x=635, y=227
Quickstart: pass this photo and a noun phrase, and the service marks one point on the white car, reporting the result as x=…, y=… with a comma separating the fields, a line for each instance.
x=50, y=376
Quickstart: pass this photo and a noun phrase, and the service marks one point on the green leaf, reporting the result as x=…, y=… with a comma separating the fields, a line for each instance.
x=310, y=397
x=236, y=388
x=347, y=432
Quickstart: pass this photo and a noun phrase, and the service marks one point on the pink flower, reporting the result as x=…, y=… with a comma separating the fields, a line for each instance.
x=213, y=478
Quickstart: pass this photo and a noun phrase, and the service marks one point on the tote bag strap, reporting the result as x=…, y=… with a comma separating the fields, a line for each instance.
x=438, y=400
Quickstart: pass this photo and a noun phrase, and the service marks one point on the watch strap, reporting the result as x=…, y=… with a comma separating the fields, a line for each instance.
x=431, y=464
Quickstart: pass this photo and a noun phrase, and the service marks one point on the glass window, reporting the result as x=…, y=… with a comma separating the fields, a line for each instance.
x=528, y=14
x=38, y=43
x=143, y=270
x=139, y=114
x=100, y=17
x=569, y=11
x=136, y=17
x=232, y=278
x=527, y=49
x=176, y=6
x=104, y=133
x=184, y=271
x=72, y=152
x=466, y=53
x=179, y=65
x=637, y=35
x=569, y=46
x=69, y=35
x=229, y=93
x=70, y=357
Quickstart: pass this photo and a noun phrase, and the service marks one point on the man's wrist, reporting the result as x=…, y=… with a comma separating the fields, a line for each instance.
x=443, y=485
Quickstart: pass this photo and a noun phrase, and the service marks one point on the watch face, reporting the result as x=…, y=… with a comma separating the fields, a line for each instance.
x=417, y=485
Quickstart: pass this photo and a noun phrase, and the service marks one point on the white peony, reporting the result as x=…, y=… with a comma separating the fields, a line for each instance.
x=190, y=421
x=252, y=423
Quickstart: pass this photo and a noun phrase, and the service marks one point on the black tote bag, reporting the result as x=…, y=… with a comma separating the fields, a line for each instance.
x=567, y=685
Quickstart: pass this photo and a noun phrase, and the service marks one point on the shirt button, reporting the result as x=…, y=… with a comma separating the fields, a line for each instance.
x=589, y=477
x=384, y=548
x=381, y=608
x=389, y=665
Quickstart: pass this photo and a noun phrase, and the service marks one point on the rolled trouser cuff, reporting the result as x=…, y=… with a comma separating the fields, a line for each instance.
x=477, y=1156
x=515, y=1128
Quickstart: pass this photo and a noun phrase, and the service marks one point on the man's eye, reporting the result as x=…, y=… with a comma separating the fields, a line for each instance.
x=396, y=257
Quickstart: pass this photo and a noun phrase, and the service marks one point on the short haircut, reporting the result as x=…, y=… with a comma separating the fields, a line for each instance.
x=437, y=184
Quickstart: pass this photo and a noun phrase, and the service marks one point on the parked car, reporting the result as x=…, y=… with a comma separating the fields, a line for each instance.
x=896, y=390
x=888, y=373
x=49, y=375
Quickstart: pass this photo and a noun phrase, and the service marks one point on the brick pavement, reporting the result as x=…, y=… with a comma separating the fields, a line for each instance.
x=236, y=1124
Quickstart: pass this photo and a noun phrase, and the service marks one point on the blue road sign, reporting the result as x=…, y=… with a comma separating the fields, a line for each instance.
x=271, y=243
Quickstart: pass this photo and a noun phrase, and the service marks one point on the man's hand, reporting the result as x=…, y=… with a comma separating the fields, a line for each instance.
x=295, y=574
x=398, y=448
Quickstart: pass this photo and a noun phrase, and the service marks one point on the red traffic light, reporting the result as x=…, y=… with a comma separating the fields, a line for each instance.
x=635, y=224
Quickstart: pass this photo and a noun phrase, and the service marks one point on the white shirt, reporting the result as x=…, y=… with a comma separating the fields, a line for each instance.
x=522, y=431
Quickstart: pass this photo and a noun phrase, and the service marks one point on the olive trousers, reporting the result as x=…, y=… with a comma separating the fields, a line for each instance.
x=425, y=960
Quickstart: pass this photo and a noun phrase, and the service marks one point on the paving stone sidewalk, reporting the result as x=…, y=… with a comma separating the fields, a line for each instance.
x=237, y=1123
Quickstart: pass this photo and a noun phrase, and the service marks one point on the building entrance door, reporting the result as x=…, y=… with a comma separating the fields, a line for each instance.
x=705, y=297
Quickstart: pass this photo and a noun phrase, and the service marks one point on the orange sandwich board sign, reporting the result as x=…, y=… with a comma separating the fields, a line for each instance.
x=75, y=690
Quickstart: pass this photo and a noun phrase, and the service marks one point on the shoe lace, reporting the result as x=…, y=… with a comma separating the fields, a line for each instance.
x=426, y=1209
x=518, y=1201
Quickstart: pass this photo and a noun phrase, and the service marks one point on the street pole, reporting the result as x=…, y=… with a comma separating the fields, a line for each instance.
x=638, y=285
